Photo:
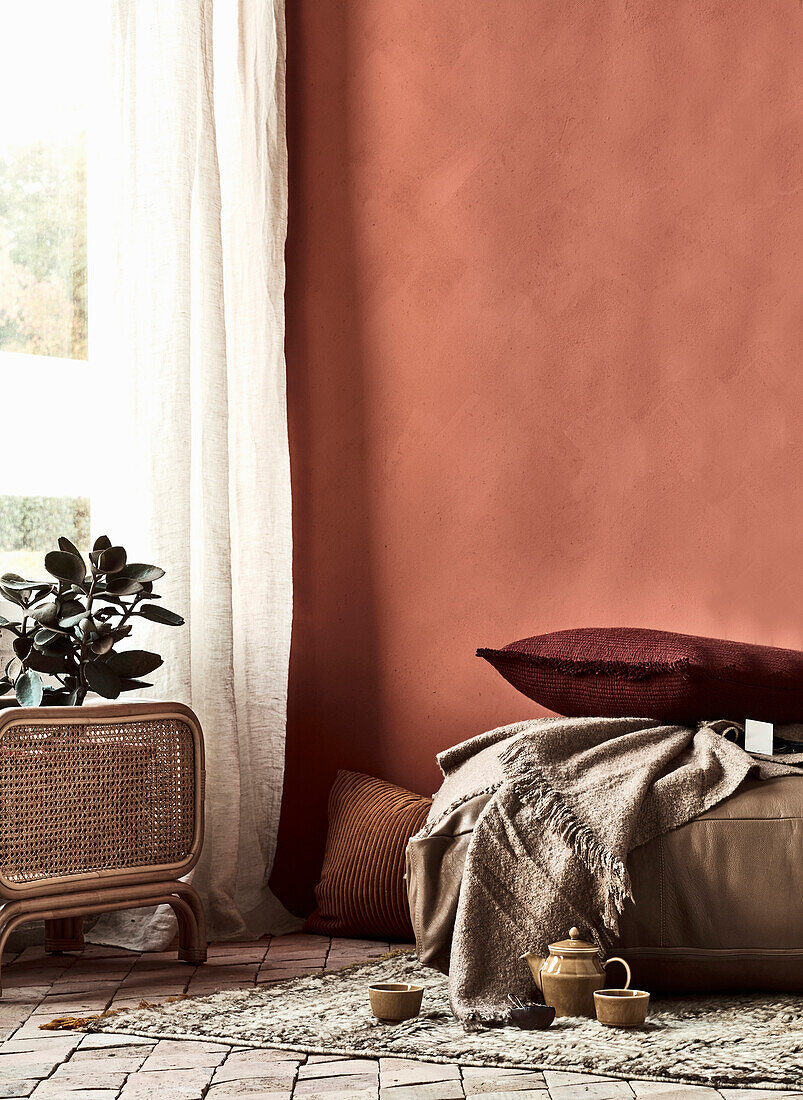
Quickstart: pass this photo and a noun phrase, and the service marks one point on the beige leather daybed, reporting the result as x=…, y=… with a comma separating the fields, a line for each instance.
x=718, y=902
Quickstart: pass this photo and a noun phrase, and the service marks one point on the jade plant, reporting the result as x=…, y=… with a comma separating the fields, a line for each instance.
x=67, y=630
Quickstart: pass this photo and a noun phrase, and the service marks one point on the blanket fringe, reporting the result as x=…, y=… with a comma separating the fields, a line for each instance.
x=522, y=772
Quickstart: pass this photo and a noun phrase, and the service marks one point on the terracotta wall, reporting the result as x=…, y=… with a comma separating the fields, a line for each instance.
x=543, y=353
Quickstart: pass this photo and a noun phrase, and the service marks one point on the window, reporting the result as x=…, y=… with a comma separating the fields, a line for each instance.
x=45, y=69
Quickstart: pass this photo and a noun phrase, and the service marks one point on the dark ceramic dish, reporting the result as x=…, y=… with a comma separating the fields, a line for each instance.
x=532, y=1017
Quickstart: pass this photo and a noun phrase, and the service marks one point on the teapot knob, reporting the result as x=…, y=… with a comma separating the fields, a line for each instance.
x=574, y=933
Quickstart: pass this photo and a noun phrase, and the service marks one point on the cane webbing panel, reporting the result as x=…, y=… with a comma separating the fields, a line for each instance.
x=100, y=796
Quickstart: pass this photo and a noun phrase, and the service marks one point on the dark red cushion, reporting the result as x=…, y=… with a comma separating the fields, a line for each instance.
x=627, y=672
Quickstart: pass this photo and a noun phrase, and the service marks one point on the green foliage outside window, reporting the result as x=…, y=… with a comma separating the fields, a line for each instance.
x=32, y=523
x=43, y=252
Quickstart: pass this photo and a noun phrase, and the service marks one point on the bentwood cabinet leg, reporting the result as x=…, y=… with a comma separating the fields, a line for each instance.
x=4, y=922
x=64, y=934
x=9, y=919
x=191, y=924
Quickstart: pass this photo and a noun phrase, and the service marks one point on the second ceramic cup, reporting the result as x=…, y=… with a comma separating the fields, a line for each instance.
x=621, y=1007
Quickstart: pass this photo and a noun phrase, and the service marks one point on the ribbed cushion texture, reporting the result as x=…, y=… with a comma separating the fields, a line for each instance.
x=362, y=891
x=631, y=672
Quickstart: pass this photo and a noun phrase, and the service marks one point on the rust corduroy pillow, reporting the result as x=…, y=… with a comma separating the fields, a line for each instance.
x=362, y=890
x=629, y=672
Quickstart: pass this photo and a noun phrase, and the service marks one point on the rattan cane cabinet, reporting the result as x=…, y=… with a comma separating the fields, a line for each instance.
x=101, y=808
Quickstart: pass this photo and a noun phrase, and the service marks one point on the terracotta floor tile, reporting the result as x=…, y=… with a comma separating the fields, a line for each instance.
x=113, y=1058
x=426, y=1090
x=256, y=1089
x=21, y=1088
x=407, y=1071
x=245, y=1065
x=64, y=1090
x=339, y=1067
x=167, y=1084
x=172, y=1054
x=99, y=1040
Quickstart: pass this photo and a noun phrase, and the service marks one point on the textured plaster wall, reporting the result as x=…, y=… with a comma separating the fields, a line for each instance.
x=543, y=350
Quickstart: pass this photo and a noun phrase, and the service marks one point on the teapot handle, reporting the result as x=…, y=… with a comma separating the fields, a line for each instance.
x=616, y=959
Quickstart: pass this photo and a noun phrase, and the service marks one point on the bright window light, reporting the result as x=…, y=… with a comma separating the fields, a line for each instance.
x=46, y=73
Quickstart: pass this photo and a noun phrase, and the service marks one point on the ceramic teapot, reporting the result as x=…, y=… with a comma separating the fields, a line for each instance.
x=571, y=974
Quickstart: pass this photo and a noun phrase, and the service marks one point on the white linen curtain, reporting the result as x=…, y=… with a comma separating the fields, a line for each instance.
x=188, y=211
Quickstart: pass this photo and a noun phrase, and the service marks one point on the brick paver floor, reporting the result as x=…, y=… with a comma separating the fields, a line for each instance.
x=50, y=1065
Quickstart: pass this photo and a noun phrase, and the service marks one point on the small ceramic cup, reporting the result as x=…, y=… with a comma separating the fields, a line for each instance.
x=533, y=1017
x=392, y=1002
x=621, y=1007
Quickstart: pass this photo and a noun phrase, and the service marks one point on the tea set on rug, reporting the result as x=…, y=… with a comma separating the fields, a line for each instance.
x=571, y=980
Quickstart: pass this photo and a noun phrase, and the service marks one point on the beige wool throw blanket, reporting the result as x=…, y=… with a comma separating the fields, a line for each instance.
x=549, y=849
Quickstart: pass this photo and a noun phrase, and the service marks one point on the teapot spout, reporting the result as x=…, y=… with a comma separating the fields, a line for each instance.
x=535, y=962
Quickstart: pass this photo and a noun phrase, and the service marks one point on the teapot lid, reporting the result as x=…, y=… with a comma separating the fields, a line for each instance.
x=574, y=945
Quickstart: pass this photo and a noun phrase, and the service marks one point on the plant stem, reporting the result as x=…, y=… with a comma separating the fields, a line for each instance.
x=137, y=599
x=83, y=686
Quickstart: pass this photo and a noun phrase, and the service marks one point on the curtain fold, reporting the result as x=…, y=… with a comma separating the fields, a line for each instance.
x=188, y=216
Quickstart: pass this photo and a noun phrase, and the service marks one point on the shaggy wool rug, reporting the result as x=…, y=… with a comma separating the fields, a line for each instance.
x=733, y=1041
